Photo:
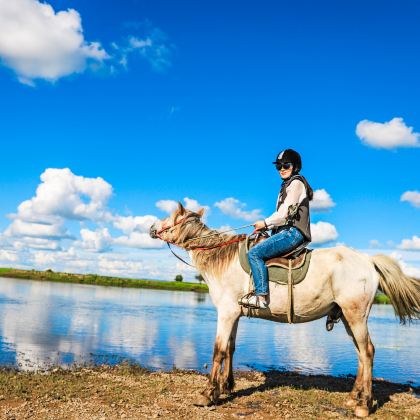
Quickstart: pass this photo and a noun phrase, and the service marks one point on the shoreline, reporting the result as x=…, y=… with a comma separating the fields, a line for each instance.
x=97, y=280
x=132, y=392
x=109, y=281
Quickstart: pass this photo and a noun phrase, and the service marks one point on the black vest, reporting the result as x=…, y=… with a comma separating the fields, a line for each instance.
x=300, y=218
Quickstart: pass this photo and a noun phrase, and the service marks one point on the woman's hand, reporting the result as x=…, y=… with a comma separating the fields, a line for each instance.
x=260, y=225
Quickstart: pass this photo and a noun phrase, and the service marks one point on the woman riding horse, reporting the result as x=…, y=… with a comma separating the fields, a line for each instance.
x=336, y=276
x=289, y=224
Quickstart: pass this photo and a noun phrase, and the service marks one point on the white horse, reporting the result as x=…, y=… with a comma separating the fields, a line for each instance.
x=338, y=275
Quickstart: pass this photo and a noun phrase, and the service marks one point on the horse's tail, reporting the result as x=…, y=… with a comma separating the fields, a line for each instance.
x=403, y=291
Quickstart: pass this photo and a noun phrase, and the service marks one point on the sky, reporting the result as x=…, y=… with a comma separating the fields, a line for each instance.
x=113, y=111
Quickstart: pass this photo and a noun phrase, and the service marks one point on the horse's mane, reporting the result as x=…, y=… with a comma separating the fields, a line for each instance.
x=214, y=260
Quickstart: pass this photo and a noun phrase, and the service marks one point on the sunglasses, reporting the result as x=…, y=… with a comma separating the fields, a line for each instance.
x=286, y=165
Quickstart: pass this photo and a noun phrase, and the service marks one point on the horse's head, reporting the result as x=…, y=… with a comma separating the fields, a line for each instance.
x=177, y=225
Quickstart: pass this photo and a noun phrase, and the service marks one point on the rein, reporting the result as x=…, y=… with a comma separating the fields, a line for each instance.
x=176, y=255
x=219, y=233
x=231, y=241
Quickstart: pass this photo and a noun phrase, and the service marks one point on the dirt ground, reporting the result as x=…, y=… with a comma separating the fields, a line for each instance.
x=127, y=392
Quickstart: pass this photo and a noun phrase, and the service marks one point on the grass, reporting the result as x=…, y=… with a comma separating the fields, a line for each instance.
x=97, y=280
x=382, y=299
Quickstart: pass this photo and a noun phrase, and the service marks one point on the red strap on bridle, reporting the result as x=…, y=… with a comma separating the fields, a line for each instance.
x=165, y=228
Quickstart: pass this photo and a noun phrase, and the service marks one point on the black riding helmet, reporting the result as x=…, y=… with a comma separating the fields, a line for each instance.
x=290, y=155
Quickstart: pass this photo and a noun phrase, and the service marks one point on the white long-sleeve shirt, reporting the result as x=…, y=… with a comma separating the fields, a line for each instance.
x=295, y=194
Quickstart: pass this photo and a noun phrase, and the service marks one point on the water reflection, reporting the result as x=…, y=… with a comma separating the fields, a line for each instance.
x=44, y=324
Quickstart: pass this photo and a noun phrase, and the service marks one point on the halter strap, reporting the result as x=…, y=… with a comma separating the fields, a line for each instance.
x=165, y=228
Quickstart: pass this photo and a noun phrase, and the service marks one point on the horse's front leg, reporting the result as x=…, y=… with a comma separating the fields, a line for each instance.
x=226, y=323
x=228, y=381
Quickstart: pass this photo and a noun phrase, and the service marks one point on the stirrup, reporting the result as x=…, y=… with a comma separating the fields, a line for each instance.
x=250, y=300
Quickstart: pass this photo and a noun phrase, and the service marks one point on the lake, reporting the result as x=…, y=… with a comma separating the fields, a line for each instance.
x=46, y=324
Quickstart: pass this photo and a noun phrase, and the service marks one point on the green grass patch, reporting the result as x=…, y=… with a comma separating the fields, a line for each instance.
x=97, y=280
x=382, y=299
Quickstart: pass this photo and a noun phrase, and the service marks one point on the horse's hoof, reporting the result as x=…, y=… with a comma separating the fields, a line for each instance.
x=202, y=401
x=226, y=390
x=360, y=411
x=351, y=402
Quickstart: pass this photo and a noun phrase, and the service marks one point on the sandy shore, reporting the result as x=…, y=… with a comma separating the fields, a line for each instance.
x=126, y=392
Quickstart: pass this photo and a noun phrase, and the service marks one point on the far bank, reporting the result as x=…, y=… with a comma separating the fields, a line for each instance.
x=97, y=280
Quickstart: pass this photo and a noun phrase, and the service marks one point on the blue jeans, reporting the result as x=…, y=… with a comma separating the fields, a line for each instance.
x=281, y=243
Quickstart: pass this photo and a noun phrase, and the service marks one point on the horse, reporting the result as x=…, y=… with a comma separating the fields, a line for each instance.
x=338, y=275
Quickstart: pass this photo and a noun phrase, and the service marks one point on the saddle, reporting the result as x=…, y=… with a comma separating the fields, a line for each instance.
x=289, y=269
x=278, y=268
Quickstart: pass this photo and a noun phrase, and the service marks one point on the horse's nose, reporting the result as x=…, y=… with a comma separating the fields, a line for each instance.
x=153, y=232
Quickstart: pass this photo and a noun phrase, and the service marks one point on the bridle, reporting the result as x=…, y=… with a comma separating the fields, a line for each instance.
x=166, y=228
x=185, y=220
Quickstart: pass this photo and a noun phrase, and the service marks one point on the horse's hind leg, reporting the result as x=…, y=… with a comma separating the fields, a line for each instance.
x=362, y=389
x=358, y=383
x=225, y=326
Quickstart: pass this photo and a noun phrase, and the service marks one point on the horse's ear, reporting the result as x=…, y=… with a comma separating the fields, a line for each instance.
x=201, y=212
x=181, y=208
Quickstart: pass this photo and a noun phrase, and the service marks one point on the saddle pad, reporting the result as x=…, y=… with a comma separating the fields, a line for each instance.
x=277, y=273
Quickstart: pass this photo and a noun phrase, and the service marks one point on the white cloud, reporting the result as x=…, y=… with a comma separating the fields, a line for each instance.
x=409, y=260
x=168, y=206
x=40, y=222
x=323, y=232
x=36, y=243
x=115, y=267
x=46, y=260
x=388, y=135
x=8, y=256
x=413, y=243
x=54, y=230
x=153, y=47
x=62, y=194
x=234, y=208
x=129, y=224
x=39, y=43
x=374, y=243
x=97, y=241
x=408, y=269
x=224, y=228
x=321, y=201
x=140, y=44
x=138, y=240
x=413, y=197
x=194, y=205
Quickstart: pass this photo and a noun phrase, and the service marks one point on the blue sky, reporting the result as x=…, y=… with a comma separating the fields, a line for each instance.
x=195, y=99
